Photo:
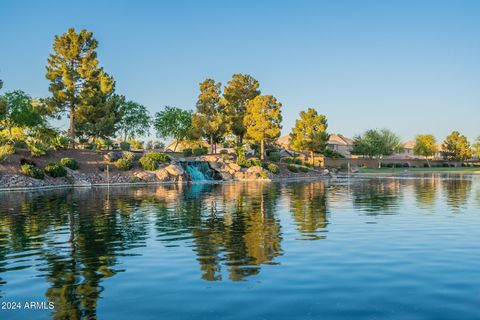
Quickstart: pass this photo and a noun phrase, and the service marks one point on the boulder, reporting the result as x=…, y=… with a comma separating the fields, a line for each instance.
x=216, y=165
x=162, y=174
x=225, y=176
x=113, y=156
x=175, y=170
x=145, y=176
x=239, y=175
x=234, y=166
x=255, y=169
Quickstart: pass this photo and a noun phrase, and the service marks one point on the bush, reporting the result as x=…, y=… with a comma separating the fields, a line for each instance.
x=223, y=151
x=60, y=142
x=255, y=162
x=36, y=148
x=274, y=156
x=5, y=151
x=303, y=168
x=187, y=152
x=124, y=164
x=69, y=163
x=158, y=156
x=136, y=144
x=148, y=163
x=332, y=154
x=298, y=161
x=273, y=168
x=124, y=146
x=292, y=168
x=129, y=156
x=200, y=151
x=55, y=170
x=287, y=160
x=32, y=171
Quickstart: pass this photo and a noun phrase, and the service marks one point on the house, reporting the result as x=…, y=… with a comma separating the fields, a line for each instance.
x=340, y=144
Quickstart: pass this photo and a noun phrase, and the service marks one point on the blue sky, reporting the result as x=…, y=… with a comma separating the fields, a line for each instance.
x=411, y=66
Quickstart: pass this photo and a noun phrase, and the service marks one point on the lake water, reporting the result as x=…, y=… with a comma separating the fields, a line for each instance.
x=387, y=248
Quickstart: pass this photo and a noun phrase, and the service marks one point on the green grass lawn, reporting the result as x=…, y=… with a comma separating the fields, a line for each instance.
x=420, y=170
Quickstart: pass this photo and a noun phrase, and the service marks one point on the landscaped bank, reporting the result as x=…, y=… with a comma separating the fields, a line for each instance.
x=86, y=168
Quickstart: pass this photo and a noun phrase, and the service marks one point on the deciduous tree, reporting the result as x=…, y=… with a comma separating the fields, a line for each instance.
x=310, y=133
x=377, y=144
x=456, y=147
x=135, y=120
x=174, y=123
x=425, y=146
x=263, y=120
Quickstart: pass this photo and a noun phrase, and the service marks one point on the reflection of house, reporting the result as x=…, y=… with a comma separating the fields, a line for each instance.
x=340, y=144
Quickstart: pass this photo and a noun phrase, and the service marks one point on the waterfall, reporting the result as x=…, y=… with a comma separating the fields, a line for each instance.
x=199, y=171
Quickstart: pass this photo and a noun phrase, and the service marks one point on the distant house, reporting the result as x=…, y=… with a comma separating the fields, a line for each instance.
x=407, y=152
x=340, y=144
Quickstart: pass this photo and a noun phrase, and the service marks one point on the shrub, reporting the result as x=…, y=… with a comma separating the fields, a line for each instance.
x=292, y=168
x=124, y=164
x=200, y=151
x=102, y=167
x=136, y=144
x=32, y=171
x=254, y=162
x=303, y=168
x=298, y=161
x=187, y=152
x=5, y=151
x=263, y=174
x=273, y=168
x=274, y=156
x=223, y=151
x=60, y=142
x=69, y=163
x=55, y=170
x=36, y=148
x=287, y=160
x=124, y=146
x=148, y=163
x=157, y=156
x=129, y=156
x=333, y=154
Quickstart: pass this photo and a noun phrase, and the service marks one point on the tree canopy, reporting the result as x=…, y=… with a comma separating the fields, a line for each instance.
x=456, y=147
x=310, y=133
x=76, y=80
x=425, y=146
x=135, y=120
x=174, y=123
x=238, y=91
x=263, y=118
x=377, y=144
x=209, y=119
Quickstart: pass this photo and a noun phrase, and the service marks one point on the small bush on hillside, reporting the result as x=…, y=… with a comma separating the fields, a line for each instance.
x=147, y=163
x=125, y=146
x=303, y=168
x=60, y=142
x=69, y=163
x=298, y=161
x=287, y=160
x=36, y=148
x=129, y=156
x=136, y=144
x=333, y=154
x=5, y=151
x=32, y=171
x=187, y=152
x=274, y=156
x=158, y=156
x=272, y=167
x=55, y=170
x=124, y=164
x=199, y=151
x=223, y=151
x=292, y=168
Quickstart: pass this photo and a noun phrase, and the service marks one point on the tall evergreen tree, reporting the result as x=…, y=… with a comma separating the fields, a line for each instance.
x=263, y=118
x=75, y=76
x=209, y=120
x=241, y=89
x=310, y=133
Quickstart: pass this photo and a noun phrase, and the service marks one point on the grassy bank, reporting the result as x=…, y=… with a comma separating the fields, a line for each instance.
x=420, y=170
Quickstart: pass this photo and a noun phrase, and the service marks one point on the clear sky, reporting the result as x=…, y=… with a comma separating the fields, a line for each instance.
x=411, y=66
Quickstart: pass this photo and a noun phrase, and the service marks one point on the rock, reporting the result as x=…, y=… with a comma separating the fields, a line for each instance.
x=255, y=169
x=239, y=175
x=145, y=176
x=113, y=156
x=82, y=183
x=226, y=176
x=162, y=174
x=175, y=170
x=216, y=165
x=234, y=166
x=325, y=172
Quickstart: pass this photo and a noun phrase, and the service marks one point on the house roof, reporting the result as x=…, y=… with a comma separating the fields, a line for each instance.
x=409, y=144
x=338, y=139
x=284, y=141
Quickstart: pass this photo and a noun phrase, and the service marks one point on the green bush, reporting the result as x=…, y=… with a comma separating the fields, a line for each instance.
x=136, y=144
x=287, y=160
x=125, y=146
x=187, y=152
x=292, y=168
x=157, y=156
x=332, y=154
x=129, y=156
x=255, y=162
x=36, y=148
x=5, y=151
x=55, y=170
x=69, y=163
x=60, y=142
x=274, y=156
x=32, y=171
x=102, y=167
x=124, y=164
x=199, y=151
x=298, y=161
x=303, y=168
x=223, y=151
x=273, y=168
x=148, y=163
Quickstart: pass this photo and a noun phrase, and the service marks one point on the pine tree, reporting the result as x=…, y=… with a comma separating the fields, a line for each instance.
x=263, y=120
x=76, y=80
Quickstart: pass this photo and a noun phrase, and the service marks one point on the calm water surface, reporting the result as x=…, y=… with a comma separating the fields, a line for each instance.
x=363, y=249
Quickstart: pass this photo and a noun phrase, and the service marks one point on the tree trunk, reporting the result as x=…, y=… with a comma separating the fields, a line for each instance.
x=262, y=150
x=211, y=145
x=71, y=130
x=428, y=162
x=175, y=148
x=312, y=158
